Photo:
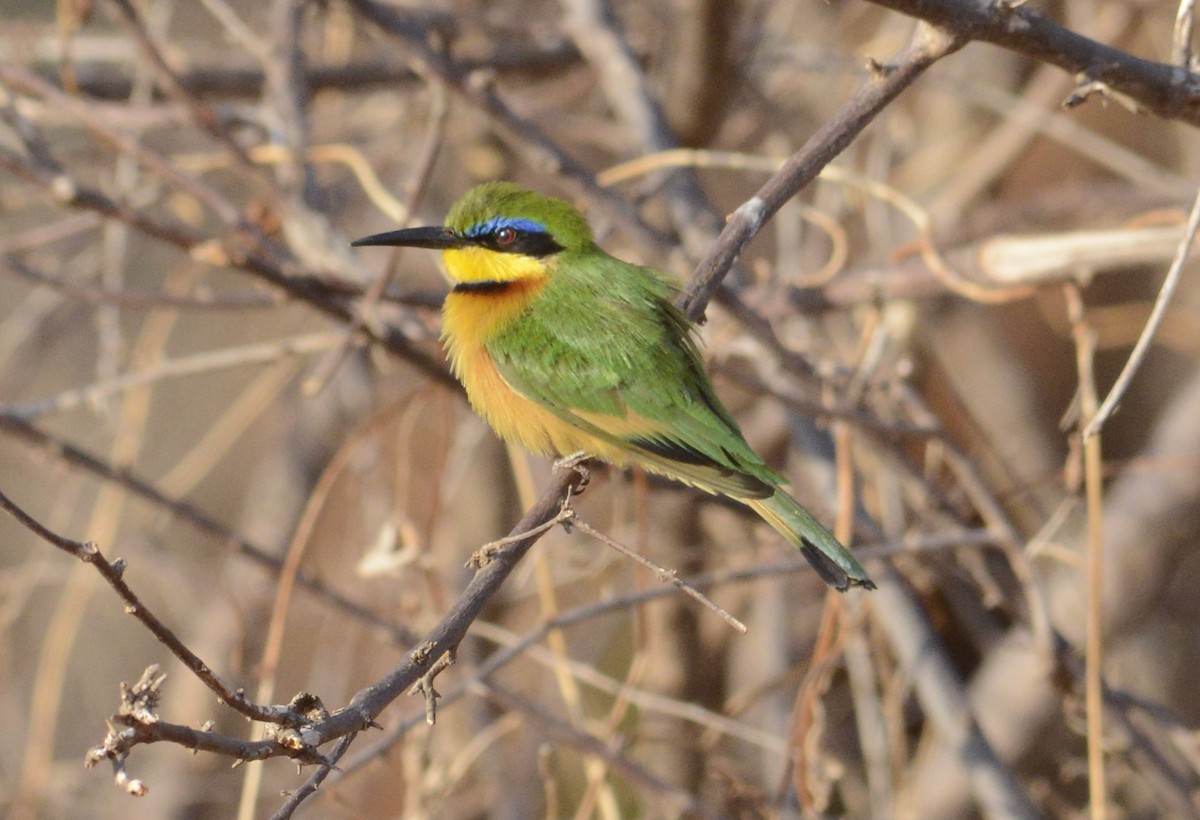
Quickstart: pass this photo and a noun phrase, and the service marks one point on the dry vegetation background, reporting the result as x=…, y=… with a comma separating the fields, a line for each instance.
x=200, y=377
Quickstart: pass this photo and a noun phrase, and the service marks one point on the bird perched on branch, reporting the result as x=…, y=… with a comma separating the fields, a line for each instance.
x=563, y=348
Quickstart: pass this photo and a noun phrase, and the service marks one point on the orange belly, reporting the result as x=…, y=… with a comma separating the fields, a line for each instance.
x=517, y=419
x=468, y=321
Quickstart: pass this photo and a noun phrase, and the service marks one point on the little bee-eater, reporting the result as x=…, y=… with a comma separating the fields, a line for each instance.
x=564, y=348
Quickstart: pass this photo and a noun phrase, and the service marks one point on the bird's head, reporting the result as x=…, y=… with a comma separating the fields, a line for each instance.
x=498, y=232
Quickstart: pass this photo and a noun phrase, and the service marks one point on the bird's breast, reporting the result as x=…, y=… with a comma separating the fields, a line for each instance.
x=471, y=318
x=475, y=312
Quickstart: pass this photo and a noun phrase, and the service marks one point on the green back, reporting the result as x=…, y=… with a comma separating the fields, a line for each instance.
x=603, y=337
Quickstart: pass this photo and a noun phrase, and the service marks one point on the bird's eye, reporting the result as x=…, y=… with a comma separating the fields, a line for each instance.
x=505, y=236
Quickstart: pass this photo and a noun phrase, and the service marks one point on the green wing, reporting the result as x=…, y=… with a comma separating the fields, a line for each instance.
x=604, y=341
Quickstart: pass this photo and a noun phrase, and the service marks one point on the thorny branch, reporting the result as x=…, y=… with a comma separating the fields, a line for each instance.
x=113, y=572
x=304, y=728
x=1170, y=92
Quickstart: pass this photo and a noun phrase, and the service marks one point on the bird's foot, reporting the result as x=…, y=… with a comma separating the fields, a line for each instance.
x=578, y=463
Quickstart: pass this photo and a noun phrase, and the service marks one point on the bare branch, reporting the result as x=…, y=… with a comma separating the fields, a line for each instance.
x=1185, y=22
x=324, y=294
x=189, y=514
x=1170, y=283
x=663, y=575
x=202, y=114
x=944, y=699
x=113, y=573
x=1168, y=91
x=101, y=80
x=927, y=47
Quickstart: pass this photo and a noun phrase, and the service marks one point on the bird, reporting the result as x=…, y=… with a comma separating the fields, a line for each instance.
x=563, y=348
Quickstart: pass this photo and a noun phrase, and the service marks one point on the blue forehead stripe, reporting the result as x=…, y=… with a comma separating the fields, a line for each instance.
x=497, y=222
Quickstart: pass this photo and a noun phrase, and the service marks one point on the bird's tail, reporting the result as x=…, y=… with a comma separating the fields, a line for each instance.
x=833, y=562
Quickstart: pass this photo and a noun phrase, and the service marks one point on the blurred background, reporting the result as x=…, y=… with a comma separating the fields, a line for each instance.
x=199, y=375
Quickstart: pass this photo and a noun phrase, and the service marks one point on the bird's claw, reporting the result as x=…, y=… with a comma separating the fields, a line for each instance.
x=578, y=463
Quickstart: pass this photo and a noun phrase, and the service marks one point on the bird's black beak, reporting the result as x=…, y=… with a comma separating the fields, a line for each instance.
x=434, y=237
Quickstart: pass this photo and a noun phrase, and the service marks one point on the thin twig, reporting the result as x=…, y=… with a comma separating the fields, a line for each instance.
x=202, y=114
x=113, y=573
x=238, y=32
x=310, y=786
x=1085, y=351
x=499, y=660
x=525, y=137
x=367, y=703
x=1185, y=27
x=923, y=656
x=1157, y=87
x=596, y=30
x=328, y=297
x=806, y=708
x=62, y=451
x=414, y=191
x=677, y=801
x=483, y=556
x=264, y=353
x=663, y=575
x=138, y=300
x=424, y=686
x=126, y=144
x=102, y=80
x=644, y=699
x=370, y=701
x=1138, y=355
x=928, y=45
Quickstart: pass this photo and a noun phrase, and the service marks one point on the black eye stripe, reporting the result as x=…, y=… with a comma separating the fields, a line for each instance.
x=526, y=243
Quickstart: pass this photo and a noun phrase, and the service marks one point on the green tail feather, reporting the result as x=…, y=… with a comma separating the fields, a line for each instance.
x=833, y=562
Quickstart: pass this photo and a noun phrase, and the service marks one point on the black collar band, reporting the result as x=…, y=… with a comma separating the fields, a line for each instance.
x=486, y=286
